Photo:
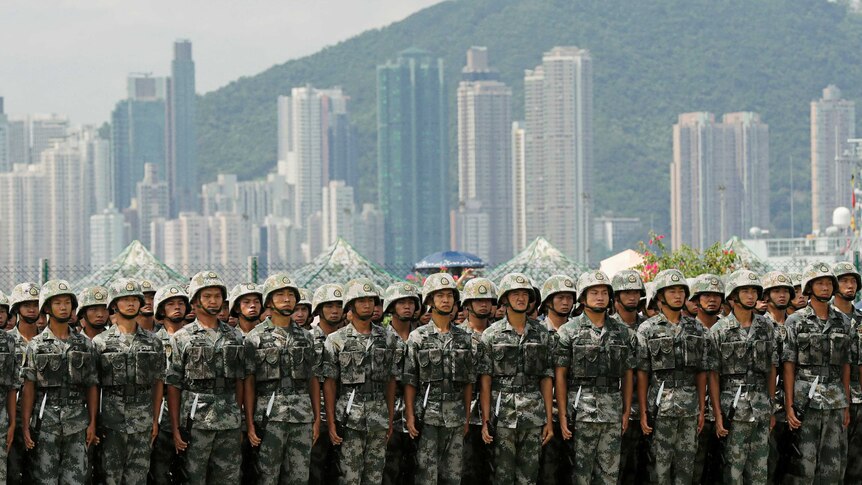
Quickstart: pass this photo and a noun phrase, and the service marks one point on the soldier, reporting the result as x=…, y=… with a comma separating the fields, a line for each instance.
x=145, y=319
x=849, y=283
x=801, y=300
x=131, y=374
x=650, y=301
x=280, y=364
x=557, y=301
x=672, y=379
x=439, y=364
x=400, y=302
x=59, y=373
x=170, y=305
x=327, y=304
x=516, y=372
x=9, y=369
x=207, y=362
x=817, y=353
x=358, y=362
x=302, y=313
x=93, y=310
x=690, y=309
x=4, y=312
x=245, y=305
x=742, y=362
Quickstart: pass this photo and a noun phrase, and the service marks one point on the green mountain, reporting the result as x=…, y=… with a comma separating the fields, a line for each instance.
x=652, y=60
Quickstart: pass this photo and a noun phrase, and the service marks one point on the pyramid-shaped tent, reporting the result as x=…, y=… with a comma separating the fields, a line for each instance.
x=746, y=255
x=341, y=263
x=539, y=261
x=135, y=262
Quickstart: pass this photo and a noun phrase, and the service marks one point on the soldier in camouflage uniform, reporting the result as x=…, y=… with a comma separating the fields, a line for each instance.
x=207, y=361
x=302, y=313
x=93, y=315
x=170, y=306
x=557, y=300
x=671, y=361
x=280, y=364
x=742, y=360
x=650, y=301
x=849, y=283
x=327, y=303
x=818, y=348
x=438, y=378
x=131, y=375
x=4, y=312
x=801, y=300
x=245, y=305
x=594, y=374
x=360, y=386
x=9, y=370
x=628, y=291
x=516, y=367
x=60, y=370
x=24, y=310
x=146, y=318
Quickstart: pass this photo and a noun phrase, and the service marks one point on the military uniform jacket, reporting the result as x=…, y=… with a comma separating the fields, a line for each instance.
x=208, y=363
x=282, y=361
x=673, y=355
x=596, y=359
x=779, y=335
x=398, y=361
x=743, y=357
x=635, y=413
x=20, y=349
x=856, y=358
x=517, y=364
x=818, y=349
x=128, y=370
x=445, y=362
x=9, y=369
x=362, y=365
x=64, y=370
x=476, y=346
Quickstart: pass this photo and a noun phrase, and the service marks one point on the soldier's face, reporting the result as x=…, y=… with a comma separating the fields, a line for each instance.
x=283, y=300
x=300, y=315
x=562, y=303
x=519, y=300
x=780, y=297
x=61, y=307
x=4, y=316
x=147, y=309
x=629, y=299
x=674, y=296
x=128, y=306
x=747, y=296
x=97, y=315
x=29, y=310
x=597, y=297
x=444, y=301
x=822, y=288
x=210, y=300
x=405, y=308
x=710, y=302
x=481, y=308
x=847, y=286
x=378, y=312
x=801, y=301
x=223, y=314
x=175, y=309
x=425, y=318
x=332, y=312
x=691, y=307
x=249, y=306
x=363, y=308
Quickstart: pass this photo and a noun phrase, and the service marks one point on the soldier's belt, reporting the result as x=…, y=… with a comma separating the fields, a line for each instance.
x=445, y=386
x=61, y=396
x=502, y=387
x=130, y=393
x=213, y=386
x=364, y=388
x=601, y=384
x=683, y=384
x=751, y=382
x=827, y=373
x=368, y=397
x=284, y=386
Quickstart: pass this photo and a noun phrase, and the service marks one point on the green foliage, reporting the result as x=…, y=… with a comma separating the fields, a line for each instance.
x=652, y=60
x=656, y=257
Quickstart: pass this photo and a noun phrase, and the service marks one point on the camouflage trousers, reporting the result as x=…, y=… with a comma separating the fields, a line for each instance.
x=440, y=454
x=597, y=452
x=61, y=459
x=515, y=453
x=394, y=456
x=674, y=446
x=15, y=460
x=630, y=455
x=746, y=453
x=363, y=456
x=779, y=460
x=823, y=444
x=854, y=446
x=320, y=471
x=475, y=469
x=707, y=466
x=285, y=453
x=554, y=464
x=126, y=457
x=161, y=456
x=213, y=456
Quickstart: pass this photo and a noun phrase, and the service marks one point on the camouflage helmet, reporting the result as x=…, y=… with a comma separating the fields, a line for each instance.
x=206, y=279
x=650, y=294
x=399, y=291
x=628, y=280
x=558, y=284
x=276, y=282
x=240, y=291
x=743, y=278
x=437, y=282
x=778, y=279
x=325, y=294
x=305, y=298
x=164, y=294
x=147, y=286
x=4, y=300
x=845, y=269
x=479, y=289
x=22, y=293
x=360, y=288
x=514, y=281
x=707, y=283
x=124, y=287
x=54, y=288
x=92, y=296
x=592, y=279
x=816, y=271
x=670, y=277
x=796, y=278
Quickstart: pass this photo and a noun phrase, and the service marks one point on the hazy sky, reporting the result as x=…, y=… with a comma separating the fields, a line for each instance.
x=72, y=56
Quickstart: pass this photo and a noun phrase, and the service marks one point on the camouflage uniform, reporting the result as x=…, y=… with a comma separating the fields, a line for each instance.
x=596, y=359
x=517, y=365
x=9, y=381
x=208, y=363
x=672, y=354
x=819, y=348
x=362, y=366
x=853, y=473
x=62, y=370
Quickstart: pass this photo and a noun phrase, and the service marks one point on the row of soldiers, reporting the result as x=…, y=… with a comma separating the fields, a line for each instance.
x=599, y=380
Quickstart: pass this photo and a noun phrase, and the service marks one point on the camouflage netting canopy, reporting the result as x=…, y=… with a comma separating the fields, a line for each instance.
x=539, y=260
x=341, y=263
x=135, y=262
x=746, y=256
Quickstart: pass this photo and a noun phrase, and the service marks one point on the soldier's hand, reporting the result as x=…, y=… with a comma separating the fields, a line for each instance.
x=846, y=417
x=252, y=436
x=10, y=435
x=626, y=417
x=333, y=435
x=486, y=436
x=179, y=444
x=315, y=430
x=389, y=431
x=645, y=427
x=154, y=433
x=547, y=433
x=771, y=422
x=28, y=443
x=564, y=428
x=792, y=421
x=700, y=422
x=411, y=427
x=466, y=428
x=92, y=437
x=719, y=427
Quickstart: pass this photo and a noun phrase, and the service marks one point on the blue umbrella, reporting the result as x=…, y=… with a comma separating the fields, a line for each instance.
x=449, y=259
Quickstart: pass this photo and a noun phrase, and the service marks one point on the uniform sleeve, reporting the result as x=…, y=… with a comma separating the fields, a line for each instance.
x=485, y=364
x=643, y=358
x=713, y=344
x=775, y=357
x=411, y=361
x=632, y=342
x=330, y=369
x=91, y=373
x=318, y=358
x=249, y=345
x=549, y=355
x=563, y=352
x=789, y=352
x=174, y=375
x=162, y=367
x=399, y=359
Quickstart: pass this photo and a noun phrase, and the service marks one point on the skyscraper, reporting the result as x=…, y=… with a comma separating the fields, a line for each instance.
x=107, y=236
x=5, y=161
x=519, y=187
x=413, y=156
x=558, y=103
x=833, y=122
x=181, y=144
x=484, y=158
x=45, y=130
x=68, y=222
x=153, y=202
x=339, y=213
x=23, y=212
x=751, y=143
x=18, y=140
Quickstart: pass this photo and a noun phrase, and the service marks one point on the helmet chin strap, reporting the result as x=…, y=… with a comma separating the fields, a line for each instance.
x=711, y=313
x=673, y=308
x=845, y=297
x=597, y=309
x=176, y=320
x=747, y=307
x=822, y=299
x=30, y=320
